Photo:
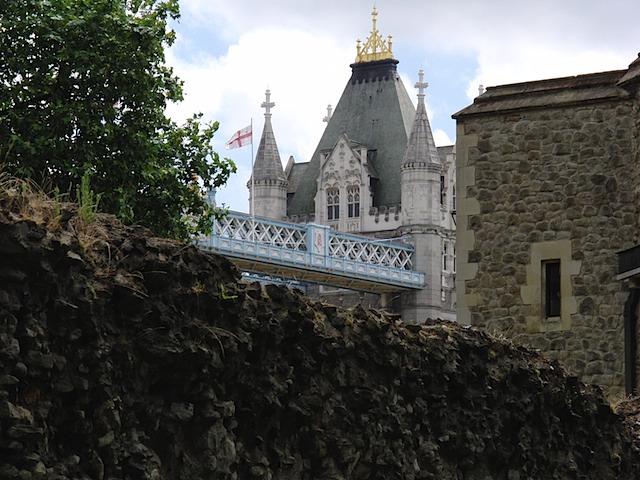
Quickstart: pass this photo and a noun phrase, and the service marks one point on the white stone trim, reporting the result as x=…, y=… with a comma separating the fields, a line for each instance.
x=531, y=293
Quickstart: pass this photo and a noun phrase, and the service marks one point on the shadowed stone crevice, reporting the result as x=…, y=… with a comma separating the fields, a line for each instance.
x=124, y=356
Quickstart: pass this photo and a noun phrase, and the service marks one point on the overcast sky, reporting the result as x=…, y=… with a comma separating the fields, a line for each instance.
x=229, y=52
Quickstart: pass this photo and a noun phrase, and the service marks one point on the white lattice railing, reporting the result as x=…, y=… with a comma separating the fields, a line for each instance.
x=315, y=248
x=270, y=232
x=376, y=252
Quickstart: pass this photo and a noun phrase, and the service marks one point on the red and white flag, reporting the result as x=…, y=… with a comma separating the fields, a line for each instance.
x=240, y=139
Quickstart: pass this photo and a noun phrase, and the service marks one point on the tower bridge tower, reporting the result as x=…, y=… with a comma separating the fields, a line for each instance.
x=376, y=171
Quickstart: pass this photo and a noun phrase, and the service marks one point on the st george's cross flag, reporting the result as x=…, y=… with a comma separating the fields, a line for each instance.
x=240, y=139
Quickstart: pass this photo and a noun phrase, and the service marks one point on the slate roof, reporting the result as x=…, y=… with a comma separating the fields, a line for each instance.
x=421, y=148
x=267, y=166
x=295, y=172
x=445, y=150
x=375, y=110
x=542, y=94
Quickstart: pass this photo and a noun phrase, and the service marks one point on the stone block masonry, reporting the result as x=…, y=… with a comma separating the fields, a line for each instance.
x=547, y=173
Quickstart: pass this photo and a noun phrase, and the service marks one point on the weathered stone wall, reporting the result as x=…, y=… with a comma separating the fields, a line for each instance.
x=635, y=283
x=124, y=356
x=533, y=176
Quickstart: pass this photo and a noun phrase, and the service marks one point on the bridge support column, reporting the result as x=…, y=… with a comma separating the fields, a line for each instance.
x=318, y=239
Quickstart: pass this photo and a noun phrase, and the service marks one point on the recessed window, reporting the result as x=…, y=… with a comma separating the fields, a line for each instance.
x=353, y=201
x=449, y=256
x=445, y=256
x=548, y=289
x=551, y=284
x=333, y=204
x=454, y=258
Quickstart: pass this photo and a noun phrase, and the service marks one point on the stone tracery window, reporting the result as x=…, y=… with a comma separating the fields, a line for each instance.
x=333, y=204
x=353, y=201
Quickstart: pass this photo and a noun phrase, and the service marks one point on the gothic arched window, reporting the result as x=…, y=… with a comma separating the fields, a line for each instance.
x=333, y=204
x=353, y=201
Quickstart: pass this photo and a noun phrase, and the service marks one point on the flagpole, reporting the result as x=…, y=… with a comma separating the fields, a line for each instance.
x=253, y=191
x=253, y=181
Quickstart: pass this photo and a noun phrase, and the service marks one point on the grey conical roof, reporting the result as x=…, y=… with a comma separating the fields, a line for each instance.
x=267, y=165
x=374, y=110
x=421, y=148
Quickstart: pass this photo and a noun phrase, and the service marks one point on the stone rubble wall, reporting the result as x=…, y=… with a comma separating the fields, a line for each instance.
x=124, y=356
x=545, y=175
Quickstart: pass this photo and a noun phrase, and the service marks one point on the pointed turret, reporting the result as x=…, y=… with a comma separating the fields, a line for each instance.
x=328, y=116
x=268, y=166
x=375, y=111
x=268, y=178
x=421, y=148
x=422, y=177
x=421, y=170
x=376, y=171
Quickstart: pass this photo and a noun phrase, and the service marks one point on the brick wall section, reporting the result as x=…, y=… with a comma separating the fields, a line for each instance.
x=544, y=162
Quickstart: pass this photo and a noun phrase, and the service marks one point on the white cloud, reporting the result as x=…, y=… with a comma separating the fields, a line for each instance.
x=304, y=74
x=441, y=138
x=228, y=53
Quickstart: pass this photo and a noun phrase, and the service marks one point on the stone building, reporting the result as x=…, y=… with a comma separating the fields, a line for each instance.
x=376, y=171
x=547, y=196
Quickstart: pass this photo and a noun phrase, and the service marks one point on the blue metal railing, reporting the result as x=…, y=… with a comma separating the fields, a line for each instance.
x=313, y=252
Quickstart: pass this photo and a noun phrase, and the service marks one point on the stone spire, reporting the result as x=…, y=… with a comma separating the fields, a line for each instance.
x=420, y=147
x=421, y=174
x=267, y=166
x=268, y=183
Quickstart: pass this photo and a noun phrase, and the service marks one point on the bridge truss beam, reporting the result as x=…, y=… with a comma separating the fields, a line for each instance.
x=313, y=253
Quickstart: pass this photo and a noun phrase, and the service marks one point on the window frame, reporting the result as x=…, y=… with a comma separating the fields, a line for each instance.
x=333, y=203
x=353, y=201
x=552, y=287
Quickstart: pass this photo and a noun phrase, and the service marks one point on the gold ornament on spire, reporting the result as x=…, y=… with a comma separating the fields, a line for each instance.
x=375, y=48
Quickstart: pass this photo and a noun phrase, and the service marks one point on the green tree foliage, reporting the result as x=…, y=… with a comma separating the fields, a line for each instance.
x=83, y=91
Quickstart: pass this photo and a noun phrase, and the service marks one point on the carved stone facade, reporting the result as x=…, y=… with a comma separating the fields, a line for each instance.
x=343, y=193
x=377, y=172
x=547, y=182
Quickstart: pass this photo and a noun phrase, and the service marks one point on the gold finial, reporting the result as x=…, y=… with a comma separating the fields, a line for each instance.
x=375, y=47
